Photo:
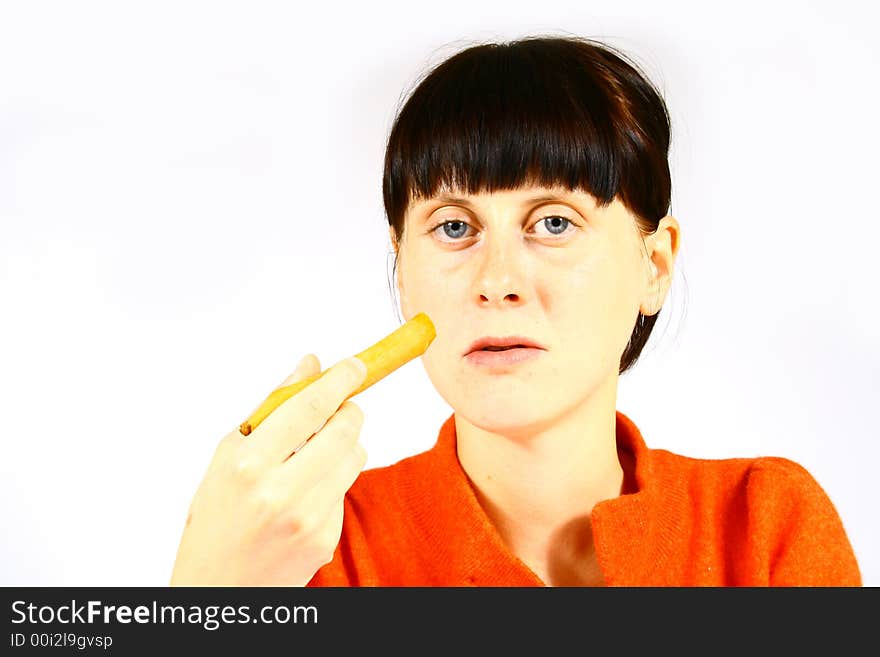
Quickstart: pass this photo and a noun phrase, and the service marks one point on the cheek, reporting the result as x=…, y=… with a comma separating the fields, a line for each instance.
x=430, y=285
x=432, y=291
x=600, y=303
x=589, y=284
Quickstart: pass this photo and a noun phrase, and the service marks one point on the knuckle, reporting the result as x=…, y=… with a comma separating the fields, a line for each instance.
x=312, y=409
x=245, y=469
x=268, y=502
x=302, y=524
x=295, y=525
x=314, y=403
x=230, y=446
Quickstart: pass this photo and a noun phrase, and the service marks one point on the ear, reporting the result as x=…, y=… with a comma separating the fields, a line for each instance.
x=662, y=248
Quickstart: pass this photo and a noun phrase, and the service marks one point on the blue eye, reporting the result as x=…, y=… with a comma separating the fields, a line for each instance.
x=456, y=229
x=557, y=221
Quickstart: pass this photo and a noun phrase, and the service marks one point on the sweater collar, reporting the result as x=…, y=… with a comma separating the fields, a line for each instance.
x=632, y=532
x=635, y=532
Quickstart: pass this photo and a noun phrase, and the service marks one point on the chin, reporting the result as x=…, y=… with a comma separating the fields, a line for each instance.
x=503, y=417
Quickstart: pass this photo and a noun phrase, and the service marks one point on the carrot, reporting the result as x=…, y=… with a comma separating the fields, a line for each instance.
x=388, y=354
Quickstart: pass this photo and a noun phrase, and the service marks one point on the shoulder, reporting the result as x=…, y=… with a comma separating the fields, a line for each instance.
x=757, y=491
x=772, y=508
x=773, y=476
x=784, y=480
x=785, y=493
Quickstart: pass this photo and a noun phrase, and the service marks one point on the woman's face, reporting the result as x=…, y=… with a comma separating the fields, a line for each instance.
x=537, y=262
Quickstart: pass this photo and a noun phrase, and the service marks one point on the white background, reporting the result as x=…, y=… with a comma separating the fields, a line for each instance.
x=190, y=200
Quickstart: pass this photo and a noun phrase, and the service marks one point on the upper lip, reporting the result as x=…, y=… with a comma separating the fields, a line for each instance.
x=505, y=341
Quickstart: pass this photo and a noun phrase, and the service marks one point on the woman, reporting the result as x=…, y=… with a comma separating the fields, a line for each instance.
x=527, y=187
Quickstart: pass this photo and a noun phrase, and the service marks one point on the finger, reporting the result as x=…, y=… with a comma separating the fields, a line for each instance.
x=303, y=415
x=305, y=368
x=325, y=450
x=327, y=497
x=341, y=478
x=325, y=491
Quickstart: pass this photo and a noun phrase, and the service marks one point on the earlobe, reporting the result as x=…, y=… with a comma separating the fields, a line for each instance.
x=662, y=249
x=655, y=294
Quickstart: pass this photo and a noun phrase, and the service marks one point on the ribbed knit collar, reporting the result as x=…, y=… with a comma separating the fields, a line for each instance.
x=633, y=533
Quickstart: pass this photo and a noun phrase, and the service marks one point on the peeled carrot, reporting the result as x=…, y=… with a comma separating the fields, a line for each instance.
x=388, y=354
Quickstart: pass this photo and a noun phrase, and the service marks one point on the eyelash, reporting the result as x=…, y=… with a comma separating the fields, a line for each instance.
x=459, y=221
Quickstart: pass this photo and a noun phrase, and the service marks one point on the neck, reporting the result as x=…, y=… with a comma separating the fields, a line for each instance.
x=539, y=484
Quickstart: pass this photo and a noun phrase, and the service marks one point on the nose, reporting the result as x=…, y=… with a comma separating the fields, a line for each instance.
x=501, y=271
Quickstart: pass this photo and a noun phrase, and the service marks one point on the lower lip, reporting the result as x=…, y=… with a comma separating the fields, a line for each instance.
x=504, y=358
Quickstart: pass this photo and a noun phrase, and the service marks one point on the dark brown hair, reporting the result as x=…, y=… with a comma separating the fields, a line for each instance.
x=541, y=110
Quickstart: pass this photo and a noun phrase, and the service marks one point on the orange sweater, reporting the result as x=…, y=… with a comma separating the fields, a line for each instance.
x=679, y=522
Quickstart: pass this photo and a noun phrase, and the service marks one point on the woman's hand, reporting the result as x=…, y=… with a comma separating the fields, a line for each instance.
x=268, y=512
